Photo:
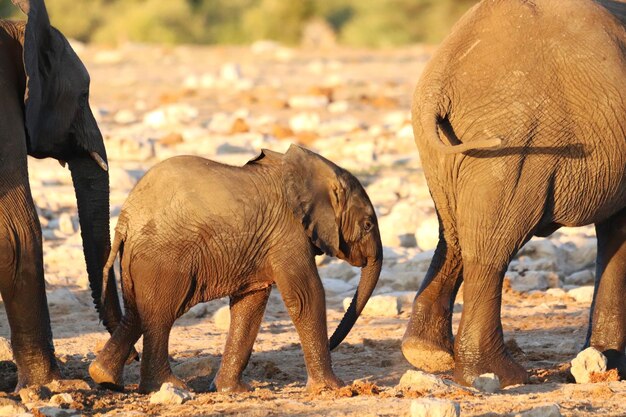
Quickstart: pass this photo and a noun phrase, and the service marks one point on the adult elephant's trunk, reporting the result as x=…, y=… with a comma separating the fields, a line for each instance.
x=369, y=278
x=91, y=184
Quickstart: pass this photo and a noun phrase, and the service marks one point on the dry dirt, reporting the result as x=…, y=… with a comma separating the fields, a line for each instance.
x=548, y=330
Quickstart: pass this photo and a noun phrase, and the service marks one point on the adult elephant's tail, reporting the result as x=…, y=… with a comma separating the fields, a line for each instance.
x=432, y=123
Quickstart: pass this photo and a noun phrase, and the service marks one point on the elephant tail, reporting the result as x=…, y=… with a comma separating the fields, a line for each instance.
x=118, y=242
x=432, y=124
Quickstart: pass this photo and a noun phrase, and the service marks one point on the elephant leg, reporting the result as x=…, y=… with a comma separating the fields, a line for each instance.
x=107, y=369
x=155, y=366
x=304, y=298
x=23, y=291
x=608, y=312
x=428, y=342
x=246, y=313
x=479, y=346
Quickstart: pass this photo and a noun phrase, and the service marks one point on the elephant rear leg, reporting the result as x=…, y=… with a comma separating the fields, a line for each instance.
x=107, y=369
x=608, y=312
x=428, y=342
x=246, y=313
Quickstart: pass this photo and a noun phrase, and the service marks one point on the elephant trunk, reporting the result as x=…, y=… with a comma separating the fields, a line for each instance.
x=91, y=185
x=369, y=278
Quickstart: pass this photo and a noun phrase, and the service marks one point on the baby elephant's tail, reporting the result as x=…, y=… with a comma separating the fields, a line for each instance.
x=118, y=241
x=432, y=124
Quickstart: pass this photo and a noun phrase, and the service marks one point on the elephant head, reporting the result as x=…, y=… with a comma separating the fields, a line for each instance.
x=59, y=123
x=339, y=220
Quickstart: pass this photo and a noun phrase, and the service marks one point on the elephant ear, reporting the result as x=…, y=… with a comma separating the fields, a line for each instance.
x=39, y=58
x=316, y=194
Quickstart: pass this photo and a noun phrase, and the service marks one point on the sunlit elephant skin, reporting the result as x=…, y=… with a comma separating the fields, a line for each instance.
x=519, y=120
x=45, y=113
x=194, y=230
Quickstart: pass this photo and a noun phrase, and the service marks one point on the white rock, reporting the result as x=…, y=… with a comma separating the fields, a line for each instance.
x=60, y=399
x=336, y=286
x=125, y=117
x=308, y=102
x=11, y=408
x=197, y=311
x=428, y=407
x=6, y=353
x=487, y=383
x=339, y=270
x=378, y=306
x=340, y=106
x=56, y=412
x=169, y=394
x=231, y=72
x=61, y=297
x=584, y=277
x=582, y=294
x=304, y=122
x=403, y=219
x=532, y=280
x=66, y=224
x=427, y=234
x=549, y=410
x=421, y=381
x=195, y=367
x=221, y=318
x=586, y=362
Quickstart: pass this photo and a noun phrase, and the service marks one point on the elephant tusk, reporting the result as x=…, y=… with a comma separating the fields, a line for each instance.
x=101, y=162
x=62, y=163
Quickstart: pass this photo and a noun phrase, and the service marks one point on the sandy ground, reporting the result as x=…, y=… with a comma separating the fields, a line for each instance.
x=365, y=111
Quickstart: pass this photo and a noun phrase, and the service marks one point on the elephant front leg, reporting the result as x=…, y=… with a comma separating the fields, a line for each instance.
x=246, y=313
x=428, y=343
x=608, y=313
x=302, y=291
x=23, y=291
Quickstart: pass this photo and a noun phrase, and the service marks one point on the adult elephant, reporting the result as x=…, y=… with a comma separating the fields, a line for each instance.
x=45, y=113
x=542, y=84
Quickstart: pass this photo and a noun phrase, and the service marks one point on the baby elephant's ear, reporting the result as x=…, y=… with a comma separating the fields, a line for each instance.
x=315, y=193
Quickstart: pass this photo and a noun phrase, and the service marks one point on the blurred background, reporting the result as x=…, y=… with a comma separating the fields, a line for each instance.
x=371, y=23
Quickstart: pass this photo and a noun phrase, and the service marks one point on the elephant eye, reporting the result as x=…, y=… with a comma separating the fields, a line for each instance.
x=367, y=226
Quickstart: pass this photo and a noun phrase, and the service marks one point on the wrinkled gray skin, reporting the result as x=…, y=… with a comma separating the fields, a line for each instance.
x=542, y=83
x=194, y=230
x=45, y=113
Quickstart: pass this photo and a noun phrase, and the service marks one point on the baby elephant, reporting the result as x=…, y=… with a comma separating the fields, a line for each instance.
x=194, y=230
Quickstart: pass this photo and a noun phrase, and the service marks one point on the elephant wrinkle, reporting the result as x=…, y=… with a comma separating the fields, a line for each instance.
x=196, y=230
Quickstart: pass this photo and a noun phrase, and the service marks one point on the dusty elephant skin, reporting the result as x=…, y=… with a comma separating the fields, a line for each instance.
x=519, y=120
x=194, y=230
x=45, y=113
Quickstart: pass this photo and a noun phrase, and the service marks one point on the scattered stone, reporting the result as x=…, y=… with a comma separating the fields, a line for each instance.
x=282, y=132
x=427, y=234
x=61, y=297
x=61, y=399
x=66, y=224
x=550, y=410
x=11, y=408
x=221, y=318
x=582, y=294
x=430, y=407
x=532, y=280
x=197, y=311
x=195, y=367
x=489, y=383
x=304, y=122
x=170, y=395
x=54, y=412
x=231, y=72
x=378, y=306
x=124, y=117
x=612, y=375
x=239, y=126
x=172, y=139
x=587, y=362
x=336, y=286
x=6, y=353
x=308, y=102
x=65, y=385
x=34, y=394
x=585, y=277
x=421, y=381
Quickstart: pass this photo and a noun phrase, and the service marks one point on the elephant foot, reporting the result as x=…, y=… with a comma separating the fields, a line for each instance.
x=427, y=355
x=229, y=386
x=508, y=371
x=328, y=383
x=152, y=385
x=32, y=377
x=616, y=360
x=103, y=376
